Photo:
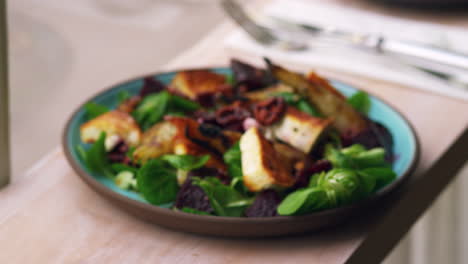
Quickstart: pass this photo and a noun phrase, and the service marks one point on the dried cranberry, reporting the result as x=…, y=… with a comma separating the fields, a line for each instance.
x=193, y=196
x=151, y=85
x=264, y=205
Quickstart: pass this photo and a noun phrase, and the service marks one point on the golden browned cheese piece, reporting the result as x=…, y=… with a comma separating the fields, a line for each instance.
x=194, y=83
x=156, y=141
x=300, y=130
x=326, y=98
x=190, y=141
x=118, y=125
x=181, y=135
x=262, y=167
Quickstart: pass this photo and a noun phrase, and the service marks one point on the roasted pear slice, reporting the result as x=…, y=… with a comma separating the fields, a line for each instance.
x=325, y=97
x=259, y=95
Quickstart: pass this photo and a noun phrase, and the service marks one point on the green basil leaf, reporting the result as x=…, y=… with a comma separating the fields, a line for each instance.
x=360, y=101
x=186, y=162
x=157, y=182
x=94, y=110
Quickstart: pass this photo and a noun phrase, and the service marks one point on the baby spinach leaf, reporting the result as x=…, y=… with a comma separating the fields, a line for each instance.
x=94, y=110
x=122, y=96
x=232, y=158
x=193, y=211
x=186, y=162
x=382, y=175
x=96, y=157
x=154, y=106
x=289, y=98
x=225, y=200
x=119, y=167
x=307, y=108
x=303, y=201
x=300, y=103
x=151, y=109
x=181, y=104
x=342, y=186
x=360, y=101
x=355, y=157
x=229, y=79
x=157, y=182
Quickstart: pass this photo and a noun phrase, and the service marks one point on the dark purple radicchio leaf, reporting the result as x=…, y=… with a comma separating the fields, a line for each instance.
x=264, y=205
x=249, y=77
x=194, y=197
x=151, y=85
x=118, y=153
x=303, y=175
x=375, y=136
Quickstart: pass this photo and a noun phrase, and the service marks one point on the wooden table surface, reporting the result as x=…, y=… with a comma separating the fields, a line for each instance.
x=50, y=216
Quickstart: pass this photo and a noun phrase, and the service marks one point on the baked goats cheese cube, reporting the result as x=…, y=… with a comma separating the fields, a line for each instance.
x=299, y=130
x=118, y=126
x=194, y=83
x=261, y=166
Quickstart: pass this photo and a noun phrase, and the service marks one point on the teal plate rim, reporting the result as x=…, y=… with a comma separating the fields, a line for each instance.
x=122, y=197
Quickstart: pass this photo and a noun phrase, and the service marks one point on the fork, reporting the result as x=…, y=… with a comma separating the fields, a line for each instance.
x=263, y=34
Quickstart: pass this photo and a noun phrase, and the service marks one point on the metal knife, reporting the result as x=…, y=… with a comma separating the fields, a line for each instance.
x=384, y=45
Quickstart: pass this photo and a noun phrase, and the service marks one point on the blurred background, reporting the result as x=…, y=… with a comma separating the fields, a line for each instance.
x=62, y=52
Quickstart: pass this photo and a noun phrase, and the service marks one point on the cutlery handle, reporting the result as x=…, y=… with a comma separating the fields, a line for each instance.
x=424, y=52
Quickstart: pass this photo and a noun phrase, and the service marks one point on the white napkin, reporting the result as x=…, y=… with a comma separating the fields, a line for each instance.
x=356, y=62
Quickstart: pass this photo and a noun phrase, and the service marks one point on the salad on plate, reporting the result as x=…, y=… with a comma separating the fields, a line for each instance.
x=253, y=143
